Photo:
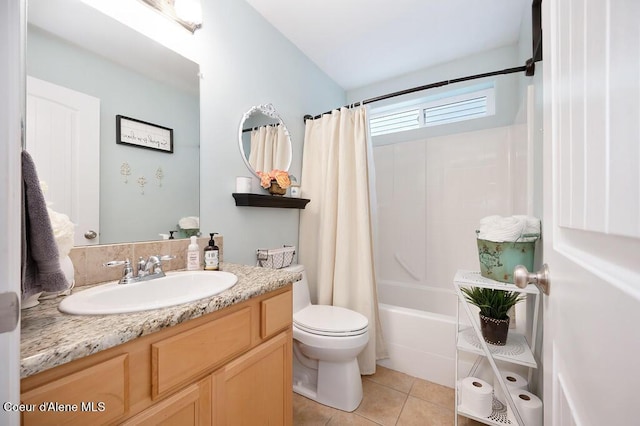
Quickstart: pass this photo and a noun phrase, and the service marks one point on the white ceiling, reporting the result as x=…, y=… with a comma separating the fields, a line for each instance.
x=358, y=42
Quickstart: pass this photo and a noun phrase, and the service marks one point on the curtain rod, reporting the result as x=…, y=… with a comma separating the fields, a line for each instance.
x=257, y=127
x=528, y=69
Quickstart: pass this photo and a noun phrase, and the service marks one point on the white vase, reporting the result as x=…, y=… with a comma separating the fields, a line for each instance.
x=67, y=268
x=31, y=301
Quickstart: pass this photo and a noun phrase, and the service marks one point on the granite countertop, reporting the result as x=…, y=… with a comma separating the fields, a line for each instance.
x=50, y=338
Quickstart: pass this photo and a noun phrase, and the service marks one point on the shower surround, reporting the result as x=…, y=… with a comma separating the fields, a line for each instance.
x=431, y=194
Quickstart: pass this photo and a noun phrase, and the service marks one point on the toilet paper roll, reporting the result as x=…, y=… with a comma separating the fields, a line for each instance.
x=476, y=396
x=514, y=381
x=529, y=406
x=243, y=184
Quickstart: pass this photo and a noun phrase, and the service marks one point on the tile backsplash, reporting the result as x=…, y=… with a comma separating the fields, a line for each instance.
x=88, y=260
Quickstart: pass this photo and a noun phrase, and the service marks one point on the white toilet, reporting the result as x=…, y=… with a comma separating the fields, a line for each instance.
x=326, y=341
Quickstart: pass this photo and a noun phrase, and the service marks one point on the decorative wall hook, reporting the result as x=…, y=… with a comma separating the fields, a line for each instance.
x=159, y=175
x=142, y=181
x=125, y=171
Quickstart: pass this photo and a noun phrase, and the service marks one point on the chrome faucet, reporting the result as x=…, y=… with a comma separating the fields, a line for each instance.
x=147, y=269
x=151, y=266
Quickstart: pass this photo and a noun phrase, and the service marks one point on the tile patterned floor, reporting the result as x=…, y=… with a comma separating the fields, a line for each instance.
x=390, y=398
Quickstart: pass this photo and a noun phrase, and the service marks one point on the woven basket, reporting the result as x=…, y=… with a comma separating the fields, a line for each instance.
x=276, y=258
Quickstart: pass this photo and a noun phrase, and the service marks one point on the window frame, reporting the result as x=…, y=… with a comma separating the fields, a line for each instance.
x=442, y=100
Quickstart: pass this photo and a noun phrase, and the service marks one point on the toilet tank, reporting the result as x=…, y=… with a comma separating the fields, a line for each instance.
x=301, y=298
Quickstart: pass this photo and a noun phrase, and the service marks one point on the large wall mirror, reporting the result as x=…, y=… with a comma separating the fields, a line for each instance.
x=264, y=140
x=75, y=52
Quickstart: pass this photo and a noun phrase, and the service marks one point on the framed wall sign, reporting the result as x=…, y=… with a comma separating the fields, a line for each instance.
x=130, y=131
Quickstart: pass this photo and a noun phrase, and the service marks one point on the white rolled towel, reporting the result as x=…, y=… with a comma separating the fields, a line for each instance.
x=189, y=222
x=532, y=224
x=511, y=228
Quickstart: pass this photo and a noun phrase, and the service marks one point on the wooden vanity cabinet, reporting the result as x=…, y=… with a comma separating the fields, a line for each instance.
x=232, y=366
x=189, y=406
x=256, y=387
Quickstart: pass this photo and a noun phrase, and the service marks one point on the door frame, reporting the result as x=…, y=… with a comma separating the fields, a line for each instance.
x=13, y=23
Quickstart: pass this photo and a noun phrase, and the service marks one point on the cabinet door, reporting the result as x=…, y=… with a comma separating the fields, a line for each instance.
x=97, y=394
x=256, y=388
x=190, y=406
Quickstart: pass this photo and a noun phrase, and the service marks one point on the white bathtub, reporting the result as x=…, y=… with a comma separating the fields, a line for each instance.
x=419, y=329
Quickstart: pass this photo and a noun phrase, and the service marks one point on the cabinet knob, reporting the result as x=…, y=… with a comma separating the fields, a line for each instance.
x=90, y=234
x=522, y=277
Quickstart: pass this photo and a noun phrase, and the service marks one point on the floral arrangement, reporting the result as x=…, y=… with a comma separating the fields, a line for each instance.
x=63, y=228
x=63, y=231
x=280, y=176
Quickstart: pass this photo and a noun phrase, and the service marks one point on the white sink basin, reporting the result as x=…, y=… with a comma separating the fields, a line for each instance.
x=174, y=289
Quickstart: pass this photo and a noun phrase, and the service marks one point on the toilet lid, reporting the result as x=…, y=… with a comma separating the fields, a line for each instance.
x=330, y=321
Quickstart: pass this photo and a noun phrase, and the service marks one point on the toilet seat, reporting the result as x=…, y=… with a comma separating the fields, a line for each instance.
x=326, y=320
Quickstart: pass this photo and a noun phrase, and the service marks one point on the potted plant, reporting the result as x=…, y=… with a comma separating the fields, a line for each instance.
x=494, y=305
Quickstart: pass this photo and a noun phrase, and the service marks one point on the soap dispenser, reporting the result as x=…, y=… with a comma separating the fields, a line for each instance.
x=193, y=255
x=211, y=255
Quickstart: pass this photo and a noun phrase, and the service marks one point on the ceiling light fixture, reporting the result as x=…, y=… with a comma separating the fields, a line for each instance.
x=187, y=13
x=189, y=10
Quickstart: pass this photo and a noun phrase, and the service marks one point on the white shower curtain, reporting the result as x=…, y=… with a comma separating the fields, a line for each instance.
x=336, y=239
x=269, y=148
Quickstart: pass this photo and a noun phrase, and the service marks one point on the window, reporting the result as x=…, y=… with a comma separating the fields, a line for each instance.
x=445, y=109
x=395, y=122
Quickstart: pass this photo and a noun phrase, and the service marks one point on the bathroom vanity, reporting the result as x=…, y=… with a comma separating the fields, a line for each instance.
x=221, y=360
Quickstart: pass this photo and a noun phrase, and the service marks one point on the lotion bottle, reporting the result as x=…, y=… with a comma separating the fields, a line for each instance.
x=211, y=255
x=193, y=255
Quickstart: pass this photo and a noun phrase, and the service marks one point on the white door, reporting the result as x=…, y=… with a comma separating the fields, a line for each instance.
x=592, y=211
x=63, y=137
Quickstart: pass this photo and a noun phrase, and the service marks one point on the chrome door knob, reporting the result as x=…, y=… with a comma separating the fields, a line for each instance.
x=522, y=277
x=90, y=234
x=9, y=311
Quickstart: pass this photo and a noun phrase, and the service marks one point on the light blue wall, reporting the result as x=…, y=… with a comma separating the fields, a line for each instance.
x=246, y=62
x=126, y=214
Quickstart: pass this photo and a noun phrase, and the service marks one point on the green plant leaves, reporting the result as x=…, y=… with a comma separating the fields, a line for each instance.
x=492, y=303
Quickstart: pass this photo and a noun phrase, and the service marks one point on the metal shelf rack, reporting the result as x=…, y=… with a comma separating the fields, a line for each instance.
x=518, y=349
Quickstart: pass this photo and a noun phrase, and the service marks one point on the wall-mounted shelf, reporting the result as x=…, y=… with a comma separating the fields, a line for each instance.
x=260, y=200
